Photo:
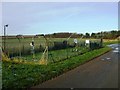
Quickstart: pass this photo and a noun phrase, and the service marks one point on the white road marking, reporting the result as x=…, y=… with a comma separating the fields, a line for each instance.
x=108, y=58
x=112, y=47
x=103, y=59
x=115, y=51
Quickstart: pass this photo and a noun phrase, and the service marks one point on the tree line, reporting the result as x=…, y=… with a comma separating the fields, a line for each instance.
x=105, y=35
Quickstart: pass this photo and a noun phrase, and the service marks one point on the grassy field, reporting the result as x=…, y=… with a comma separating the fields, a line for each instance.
x=107, y=42
x=26, y=75
x=22, y=49
x=19, y=75
x=13, y=46
x=56, y=55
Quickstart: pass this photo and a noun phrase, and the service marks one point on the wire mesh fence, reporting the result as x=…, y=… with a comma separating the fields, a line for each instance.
x=58, y=48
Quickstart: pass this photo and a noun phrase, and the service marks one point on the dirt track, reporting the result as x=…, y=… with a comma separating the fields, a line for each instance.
x=101, y=72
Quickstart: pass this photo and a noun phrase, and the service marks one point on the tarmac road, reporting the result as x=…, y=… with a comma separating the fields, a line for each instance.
x=101, y=72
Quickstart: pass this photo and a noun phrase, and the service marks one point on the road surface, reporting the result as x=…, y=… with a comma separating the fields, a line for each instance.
x=101, y=72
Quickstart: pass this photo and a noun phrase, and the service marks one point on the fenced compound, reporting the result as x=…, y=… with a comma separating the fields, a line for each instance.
x=47, y=50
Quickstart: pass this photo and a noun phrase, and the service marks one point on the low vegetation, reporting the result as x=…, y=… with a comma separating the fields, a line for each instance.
x=26, y=75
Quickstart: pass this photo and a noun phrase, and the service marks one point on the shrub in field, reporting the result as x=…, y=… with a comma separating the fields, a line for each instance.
x=4, y=57
x=95, y=45
x=60, y=45
x=43, y=62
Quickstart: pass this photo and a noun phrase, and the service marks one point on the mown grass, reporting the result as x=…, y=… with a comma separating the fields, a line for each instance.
x=107, y=42
x=57, y=55
x=27, y=75
x=14, y=47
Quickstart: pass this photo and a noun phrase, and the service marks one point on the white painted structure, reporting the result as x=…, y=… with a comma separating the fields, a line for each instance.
x=87, y=42
x=75, y=41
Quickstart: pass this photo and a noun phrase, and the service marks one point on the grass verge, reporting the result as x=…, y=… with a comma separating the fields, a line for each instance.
x=26, y=75
x=108, y=42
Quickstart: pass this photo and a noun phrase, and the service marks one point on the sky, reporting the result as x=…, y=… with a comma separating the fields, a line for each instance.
x=31, y=18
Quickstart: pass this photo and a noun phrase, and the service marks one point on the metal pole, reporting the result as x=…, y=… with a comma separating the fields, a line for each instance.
x=4, y=39
x=19, y=48
x=101, y=41
x=67, y=43
x=46, y=43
